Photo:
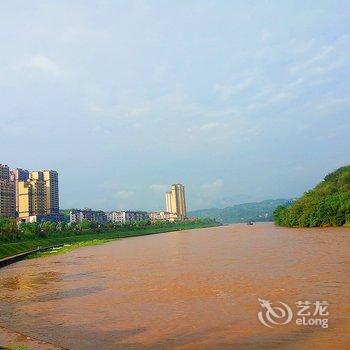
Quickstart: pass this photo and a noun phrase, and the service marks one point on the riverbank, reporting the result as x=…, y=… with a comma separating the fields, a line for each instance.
x=326, y=205
x=73, y=240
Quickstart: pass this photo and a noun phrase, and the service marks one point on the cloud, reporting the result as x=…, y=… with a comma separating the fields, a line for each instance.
x=332, y=104
x=78, y=34
x=174, y=104
x=209, y=126
x=117, y=112
x=94, y=108
x=44, y=64
x=124, y=194
x=271, y=99
x=326, y=59
x=212, y=189
x=208, y=194
x=265, y=34
x=320, y=56
x=280, y=97
x=139, y=111
x=158, y=188
x=226, y=91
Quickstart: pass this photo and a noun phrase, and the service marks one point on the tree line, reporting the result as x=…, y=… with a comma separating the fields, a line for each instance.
x=10, y=229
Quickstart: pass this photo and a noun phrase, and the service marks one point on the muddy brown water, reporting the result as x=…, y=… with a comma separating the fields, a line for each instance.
x=196, y=289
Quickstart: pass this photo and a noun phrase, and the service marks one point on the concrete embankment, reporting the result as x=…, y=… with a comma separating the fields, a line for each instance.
x=15, y=258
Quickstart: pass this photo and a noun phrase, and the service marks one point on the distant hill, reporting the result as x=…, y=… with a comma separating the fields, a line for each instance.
x=328, y=204
x=256, y=211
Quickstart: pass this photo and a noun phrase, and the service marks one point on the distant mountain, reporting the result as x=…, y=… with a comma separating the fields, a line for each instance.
x=328, y=204
x=256, y=211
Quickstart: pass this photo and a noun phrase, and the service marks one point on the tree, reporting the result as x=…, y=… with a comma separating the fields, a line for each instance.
x=85, y=225
x=8, y=227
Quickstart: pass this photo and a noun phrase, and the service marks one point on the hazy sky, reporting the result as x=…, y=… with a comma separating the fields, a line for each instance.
x=238, y=100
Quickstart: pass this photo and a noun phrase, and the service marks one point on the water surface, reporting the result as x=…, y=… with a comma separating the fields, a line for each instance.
x=194, y=289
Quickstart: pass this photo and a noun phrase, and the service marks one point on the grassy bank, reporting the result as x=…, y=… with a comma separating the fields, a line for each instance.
x=79, y=239
x=327, y=204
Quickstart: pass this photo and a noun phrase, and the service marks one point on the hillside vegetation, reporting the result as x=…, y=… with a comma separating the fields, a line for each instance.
x=328, y=204
x=256, y=211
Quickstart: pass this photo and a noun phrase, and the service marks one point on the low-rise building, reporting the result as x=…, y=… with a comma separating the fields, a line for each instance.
x=42, y=218
x=162, y=216
x=78, y=215
x=126, y=216
x=115, y=216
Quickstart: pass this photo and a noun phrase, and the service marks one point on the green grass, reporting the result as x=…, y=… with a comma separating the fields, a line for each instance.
x=77, y=240
x=69, y=247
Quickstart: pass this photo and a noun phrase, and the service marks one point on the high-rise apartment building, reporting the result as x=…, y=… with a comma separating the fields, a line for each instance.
x=18, y=175
x=25, y=194
x=7, y=193
x=51, y=192
x=25, y=202
x=175, y=201
x=36, y=179
x=4, y=172
x=32, y=195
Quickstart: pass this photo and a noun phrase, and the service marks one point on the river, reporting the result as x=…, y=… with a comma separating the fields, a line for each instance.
x=195, y=289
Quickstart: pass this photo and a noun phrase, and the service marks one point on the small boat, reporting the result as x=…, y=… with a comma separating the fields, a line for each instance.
x=250, y=223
